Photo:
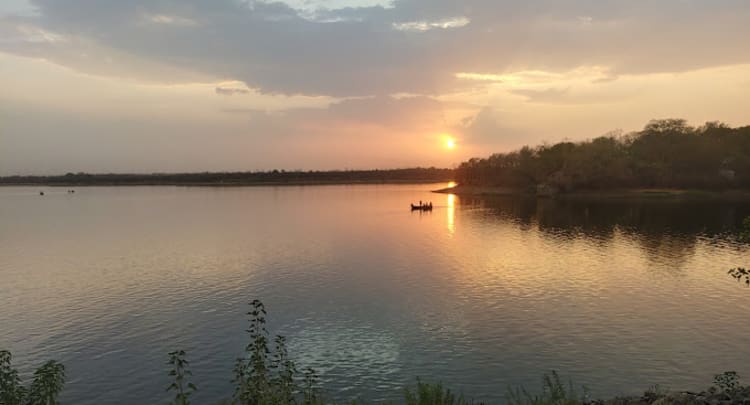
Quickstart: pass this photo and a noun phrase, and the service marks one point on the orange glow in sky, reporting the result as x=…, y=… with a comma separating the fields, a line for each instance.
x=145, y=99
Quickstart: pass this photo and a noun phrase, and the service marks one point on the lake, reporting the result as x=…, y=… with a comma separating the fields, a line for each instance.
x=481, y=294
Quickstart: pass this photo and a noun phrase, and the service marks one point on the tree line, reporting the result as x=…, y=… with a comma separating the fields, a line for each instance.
x=418, y=174
x=664, y=154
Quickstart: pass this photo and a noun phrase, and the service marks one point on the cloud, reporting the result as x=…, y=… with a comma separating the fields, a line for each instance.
x=483, y=77
x=386, y=111
x=230, y=91
x=24, y=34
x=368, y=48
x=409, y=114
x=550, y=95
x=487, y=128
x=170, y=20
x=421, y=26
x=56, y=119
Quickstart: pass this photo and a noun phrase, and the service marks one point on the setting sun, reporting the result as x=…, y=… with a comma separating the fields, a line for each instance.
x=450, y=143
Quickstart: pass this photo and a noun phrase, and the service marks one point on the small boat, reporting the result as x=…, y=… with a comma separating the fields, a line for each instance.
x=423, y=207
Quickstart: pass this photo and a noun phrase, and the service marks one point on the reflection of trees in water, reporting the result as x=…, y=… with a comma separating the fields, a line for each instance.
x=602, y=218
x=664, y=229
x=520, y=210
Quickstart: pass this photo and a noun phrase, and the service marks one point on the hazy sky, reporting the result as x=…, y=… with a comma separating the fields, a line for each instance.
x=192, y=85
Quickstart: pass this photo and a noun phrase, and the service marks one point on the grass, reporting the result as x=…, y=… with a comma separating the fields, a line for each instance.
x=554, y=392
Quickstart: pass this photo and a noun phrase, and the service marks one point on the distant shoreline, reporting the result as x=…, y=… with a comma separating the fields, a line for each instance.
x=224, y=184
x=613, y=194
x=415, y=175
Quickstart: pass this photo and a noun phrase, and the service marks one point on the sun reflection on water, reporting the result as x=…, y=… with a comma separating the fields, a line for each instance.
x=451, y=212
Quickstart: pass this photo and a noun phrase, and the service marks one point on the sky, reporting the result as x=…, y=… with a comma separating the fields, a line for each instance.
x=209, y=85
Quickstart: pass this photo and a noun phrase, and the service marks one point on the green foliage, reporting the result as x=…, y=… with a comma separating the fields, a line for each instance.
x=310, y=392
x=265, y=377
x=666, y=153
x=727, y=382
x=285, y=371
x=554, y=392
x=180, y=371
x=49, y=380
x=432, y=394
x=11, y=390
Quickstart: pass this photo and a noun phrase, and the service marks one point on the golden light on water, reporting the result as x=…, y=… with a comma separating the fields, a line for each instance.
x=451, y=213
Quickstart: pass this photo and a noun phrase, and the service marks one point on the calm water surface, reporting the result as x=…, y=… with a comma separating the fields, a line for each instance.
x=480, y=294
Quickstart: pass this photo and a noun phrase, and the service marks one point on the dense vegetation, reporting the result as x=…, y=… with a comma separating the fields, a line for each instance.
x=242, y=178
x=665, y=154
x=266, y=375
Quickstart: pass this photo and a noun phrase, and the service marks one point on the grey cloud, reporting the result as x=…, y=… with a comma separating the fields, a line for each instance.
x=357, y=51
x=389, y=111
x=385, y=112
x=24, y=37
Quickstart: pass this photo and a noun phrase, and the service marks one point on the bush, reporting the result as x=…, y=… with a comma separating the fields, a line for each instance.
x=48, y=382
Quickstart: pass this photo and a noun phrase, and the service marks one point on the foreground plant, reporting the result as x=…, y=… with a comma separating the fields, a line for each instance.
x=554, y=392
x=433, y=394
x=727, y=385
x=182, y=387
x=11, y=390
x=264, y=376
x=49, y=380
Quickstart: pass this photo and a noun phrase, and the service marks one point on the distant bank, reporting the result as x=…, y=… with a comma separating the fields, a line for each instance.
x=228, y=179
